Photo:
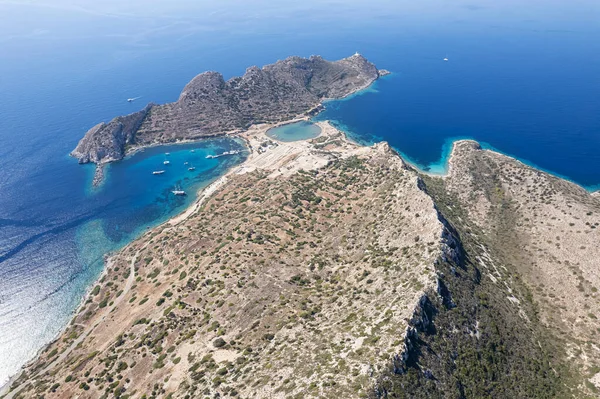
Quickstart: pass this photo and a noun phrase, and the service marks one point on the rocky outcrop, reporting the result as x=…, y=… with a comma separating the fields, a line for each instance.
x=210, y=106
x=517, y=293
x=107, y=142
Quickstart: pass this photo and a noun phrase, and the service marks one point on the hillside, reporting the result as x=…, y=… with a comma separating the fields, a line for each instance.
x=325, y=269
x=524, y=318
x=289, y=280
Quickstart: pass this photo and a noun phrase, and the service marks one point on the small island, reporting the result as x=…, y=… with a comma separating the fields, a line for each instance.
x=210, y=106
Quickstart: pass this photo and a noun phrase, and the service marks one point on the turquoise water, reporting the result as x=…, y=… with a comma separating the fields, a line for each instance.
x=56, y=247
x=522, y=77
x=296, y=131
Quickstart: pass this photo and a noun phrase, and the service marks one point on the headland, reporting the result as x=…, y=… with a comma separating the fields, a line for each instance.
x=209, y=106
x=320, y=261
x=323, y=268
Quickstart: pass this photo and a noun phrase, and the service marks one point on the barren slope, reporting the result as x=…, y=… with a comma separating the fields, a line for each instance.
x=296, y=278
x=326, y=269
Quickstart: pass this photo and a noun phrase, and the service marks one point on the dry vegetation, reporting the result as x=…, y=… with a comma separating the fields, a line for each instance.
x=295, y=279
x=326, y=269
x=546, y=232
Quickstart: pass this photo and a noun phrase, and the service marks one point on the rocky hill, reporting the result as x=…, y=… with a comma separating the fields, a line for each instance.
x=523, y=321
x=210, y=106
x=297, y=277
x=324, y=269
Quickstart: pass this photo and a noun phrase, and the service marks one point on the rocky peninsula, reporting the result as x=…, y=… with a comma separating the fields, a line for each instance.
x=210, y=106
x=324, y=269
x=321, y=268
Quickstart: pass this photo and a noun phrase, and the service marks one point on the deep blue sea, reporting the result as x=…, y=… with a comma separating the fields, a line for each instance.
x=521, y=76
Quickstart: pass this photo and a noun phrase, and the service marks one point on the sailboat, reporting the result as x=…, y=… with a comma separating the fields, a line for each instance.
x=446, y=58
x=192, y=168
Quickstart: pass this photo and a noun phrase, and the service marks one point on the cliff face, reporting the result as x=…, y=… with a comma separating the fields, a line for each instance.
x=210, y=106
x=517, y=315
x=106, y=142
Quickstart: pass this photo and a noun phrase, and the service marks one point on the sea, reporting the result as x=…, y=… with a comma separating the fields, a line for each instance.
x=522, y=77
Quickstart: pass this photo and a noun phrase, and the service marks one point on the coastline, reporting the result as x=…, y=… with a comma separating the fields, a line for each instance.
x=201, y=195
x=486, y=147
x=99, y=173
x=108, y=260
x=448, y=150
x=308, y=114
x=185, y=120
x=206, y=192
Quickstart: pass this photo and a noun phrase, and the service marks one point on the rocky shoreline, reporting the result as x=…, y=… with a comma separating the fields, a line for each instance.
x=98, y=175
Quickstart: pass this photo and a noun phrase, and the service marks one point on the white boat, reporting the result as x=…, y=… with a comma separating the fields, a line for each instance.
x=232, y=152
x=130, y=100
x=167, y=153
x=166, y=162
x=158, y=172
x=446, y=58
x=192, y=150
x=185, y=163
x=192, y=168
x=178, y=191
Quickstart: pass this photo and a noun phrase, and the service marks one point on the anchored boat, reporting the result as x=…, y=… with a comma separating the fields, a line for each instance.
x=178, y=191
x=232, y=152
